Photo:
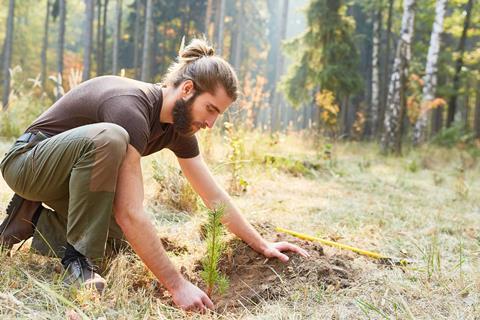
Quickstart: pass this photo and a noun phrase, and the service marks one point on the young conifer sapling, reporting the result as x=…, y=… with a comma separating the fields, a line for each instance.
x=215, y=245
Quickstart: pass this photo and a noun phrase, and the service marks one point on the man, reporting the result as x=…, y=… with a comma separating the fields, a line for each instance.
x=82, y=159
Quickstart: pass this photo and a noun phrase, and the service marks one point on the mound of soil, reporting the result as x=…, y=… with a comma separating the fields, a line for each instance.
x=254, y=279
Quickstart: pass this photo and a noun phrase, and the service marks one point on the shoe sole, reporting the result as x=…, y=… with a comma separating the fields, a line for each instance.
x=14, y=207
x=15, y=204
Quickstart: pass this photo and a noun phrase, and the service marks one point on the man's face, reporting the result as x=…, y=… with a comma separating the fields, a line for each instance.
x=194, y=112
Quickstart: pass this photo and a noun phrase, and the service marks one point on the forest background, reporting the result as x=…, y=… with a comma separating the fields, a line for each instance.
x=322, y=65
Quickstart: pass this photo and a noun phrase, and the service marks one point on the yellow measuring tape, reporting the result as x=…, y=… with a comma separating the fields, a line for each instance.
x=371, y=254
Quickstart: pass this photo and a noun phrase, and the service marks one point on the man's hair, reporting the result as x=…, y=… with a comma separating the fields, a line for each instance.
x=197, y=62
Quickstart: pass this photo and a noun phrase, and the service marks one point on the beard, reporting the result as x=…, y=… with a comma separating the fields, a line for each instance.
x=182, y=116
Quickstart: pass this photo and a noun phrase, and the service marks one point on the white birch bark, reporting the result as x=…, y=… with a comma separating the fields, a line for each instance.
x=391, y=139
x=374, y=107
x=430, y=78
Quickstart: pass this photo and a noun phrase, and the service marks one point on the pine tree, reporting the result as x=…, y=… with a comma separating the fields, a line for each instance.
x=325, y=57
x=215, y=247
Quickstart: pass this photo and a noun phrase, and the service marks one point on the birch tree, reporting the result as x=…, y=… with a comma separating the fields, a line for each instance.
x=430, y=78
x=87, y=39
x=374, y=107
x=395, y=108
x=386, y=66
x=7, y=53
x=116, y=35
x=45, y=45
x=148, y=35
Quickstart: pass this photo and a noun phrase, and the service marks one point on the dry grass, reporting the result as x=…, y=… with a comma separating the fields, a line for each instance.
x=424, y=205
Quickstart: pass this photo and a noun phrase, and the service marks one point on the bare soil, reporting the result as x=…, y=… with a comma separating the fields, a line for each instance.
x=255, y=279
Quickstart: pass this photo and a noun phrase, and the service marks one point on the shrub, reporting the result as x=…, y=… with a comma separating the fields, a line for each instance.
x=173, y=188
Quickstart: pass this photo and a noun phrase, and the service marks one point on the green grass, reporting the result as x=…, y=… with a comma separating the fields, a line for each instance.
x=414, y=206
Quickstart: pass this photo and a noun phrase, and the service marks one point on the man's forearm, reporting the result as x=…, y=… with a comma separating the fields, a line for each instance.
x=141, y=235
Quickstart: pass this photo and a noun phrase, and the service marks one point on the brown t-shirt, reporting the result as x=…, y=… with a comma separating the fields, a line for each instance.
x=132, y=104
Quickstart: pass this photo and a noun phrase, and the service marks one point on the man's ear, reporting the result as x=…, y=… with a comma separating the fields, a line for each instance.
x=188, y=88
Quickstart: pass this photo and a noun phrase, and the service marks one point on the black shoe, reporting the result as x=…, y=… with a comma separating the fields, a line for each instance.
x=79, y=270
x=19, y=225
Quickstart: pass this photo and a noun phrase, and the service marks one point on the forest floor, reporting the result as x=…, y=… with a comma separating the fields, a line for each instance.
x=424, y=206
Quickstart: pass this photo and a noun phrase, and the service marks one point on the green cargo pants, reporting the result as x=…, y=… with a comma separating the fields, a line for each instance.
x=75, y=174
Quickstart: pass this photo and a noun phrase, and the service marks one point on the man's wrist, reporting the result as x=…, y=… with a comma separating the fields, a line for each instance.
x=174, y=282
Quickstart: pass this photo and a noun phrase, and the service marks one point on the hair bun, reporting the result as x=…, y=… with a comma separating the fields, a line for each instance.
x=196, y=49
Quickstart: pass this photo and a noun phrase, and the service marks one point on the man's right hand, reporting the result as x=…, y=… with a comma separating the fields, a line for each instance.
x=190, y=298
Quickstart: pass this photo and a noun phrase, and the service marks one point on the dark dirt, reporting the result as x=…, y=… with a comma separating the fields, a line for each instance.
x=254, y=279
x=171, y=246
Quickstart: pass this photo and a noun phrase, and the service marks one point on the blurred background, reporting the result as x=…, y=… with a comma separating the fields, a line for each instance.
x=319, y=65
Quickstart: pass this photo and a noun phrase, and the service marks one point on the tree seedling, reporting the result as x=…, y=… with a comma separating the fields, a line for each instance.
x=215, y=246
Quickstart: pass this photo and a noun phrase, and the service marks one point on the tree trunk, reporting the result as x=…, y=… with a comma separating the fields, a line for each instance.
x=88, y=39
x=386, y=68
x=452, y=105
x=7, y=53
x=62, y=12
x=117, y=27
x=377, y=21
x=221, y=24
x=237, y=52
x=98, y=35
x=276, y=105
x=208, y=19
x=136, y=36
x=391, y=140
x=104, y=38
x=430, y=78
x=437, y=121
x=147, y=39
x=345, y=110
x=477, y=112
x=45, y=45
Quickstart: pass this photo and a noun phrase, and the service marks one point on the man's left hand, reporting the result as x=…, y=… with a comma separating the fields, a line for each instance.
x=275, y=249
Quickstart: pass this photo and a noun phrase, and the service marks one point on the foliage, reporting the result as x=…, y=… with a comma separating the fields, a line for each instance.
x=173, y=188
x=324, y=55
x=26, y=103
x=449, y=137
x=236, y=155
x=215, y=246
x=415, y=105
x=358, y=126
x=325, y=100
x=292, y=166
x=253, y=98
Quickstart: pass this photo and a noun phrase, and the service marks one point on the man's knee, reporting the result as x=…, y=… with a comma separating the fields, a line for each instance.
x=111, y=138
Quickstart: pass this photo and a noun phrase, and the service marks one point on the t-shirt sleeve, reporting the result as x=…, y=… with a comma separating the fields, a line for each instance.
x=184, y=147
x=127, y=112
